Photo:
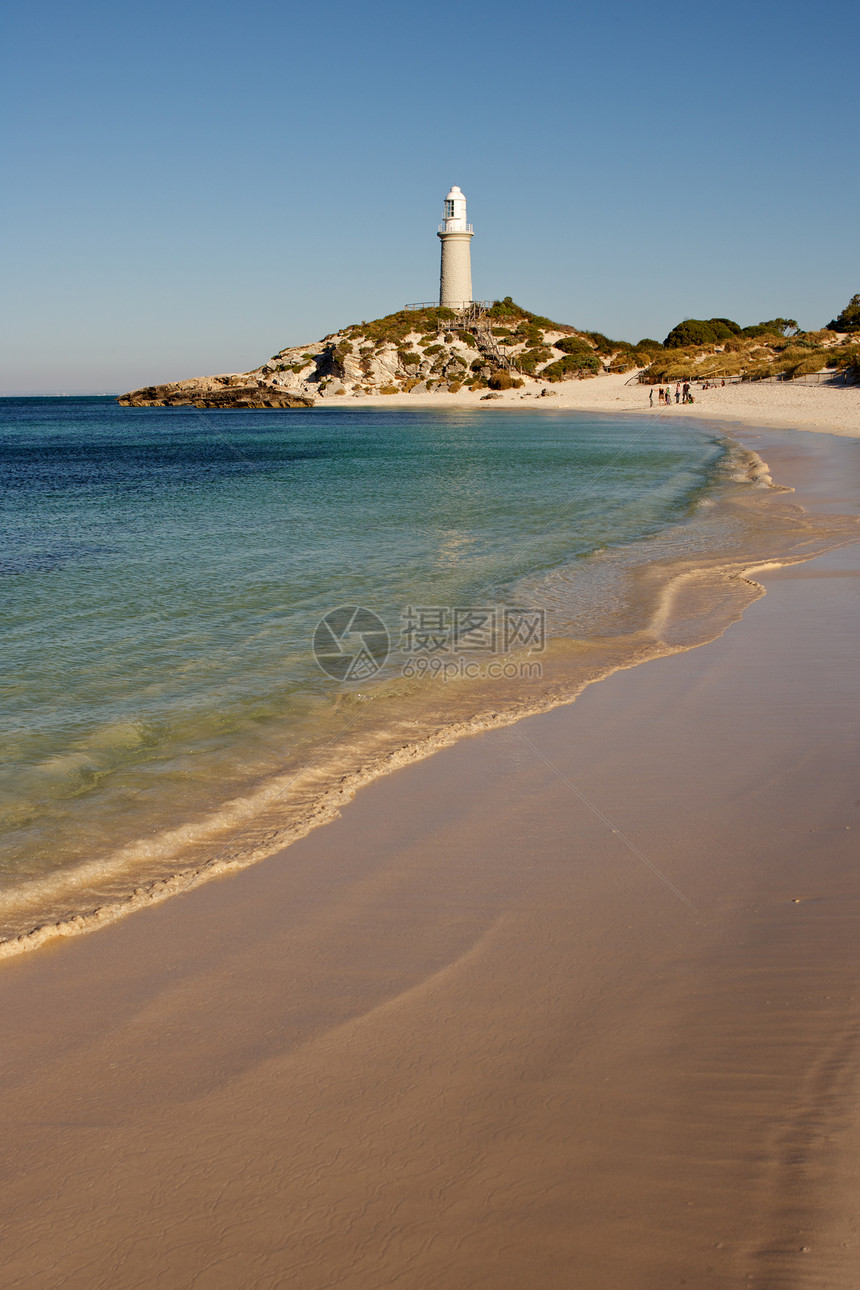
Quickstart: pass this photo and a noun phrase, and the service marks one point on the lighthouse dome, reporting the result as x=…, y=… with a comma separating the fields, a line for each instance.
x=454, y=211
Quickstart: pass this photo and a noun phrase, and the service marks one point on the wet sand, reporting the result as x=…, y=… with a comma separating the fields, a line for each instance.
x=572, y=1003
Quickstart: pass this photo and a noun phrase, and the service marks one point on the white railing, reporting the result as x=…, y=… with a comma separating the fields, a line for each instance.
x=457, y=305
x=443, y=228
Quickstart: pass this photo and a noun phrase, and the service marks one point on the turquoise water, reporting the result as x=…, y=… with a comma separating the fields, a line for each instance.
x=163, y=571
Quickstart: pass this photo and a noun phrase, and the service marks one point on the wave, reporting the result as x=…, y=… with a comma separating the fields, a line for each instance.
x=615, y=608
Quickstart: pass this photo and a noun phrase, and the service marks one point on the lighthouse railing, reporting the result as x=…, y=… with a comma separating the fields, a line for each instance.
x=459, y=306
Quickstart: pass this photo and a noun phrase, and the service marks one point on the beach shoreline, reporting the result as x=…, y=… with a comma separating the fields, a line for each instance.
x=683, y=600
x=780, y=405
x=573, y=1000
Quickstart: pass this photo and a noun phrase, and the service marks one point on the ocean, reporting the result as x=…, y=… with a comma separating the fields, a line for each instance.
x=218, y=623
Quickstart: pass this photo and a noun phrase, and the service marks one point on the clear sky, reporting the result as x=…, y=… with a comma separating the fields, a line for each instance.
x=190, y=187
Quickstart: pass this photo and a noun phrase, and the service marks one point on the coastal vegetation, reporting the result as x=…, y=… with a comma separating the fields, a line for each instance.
x=498, y=348
x=849, y=319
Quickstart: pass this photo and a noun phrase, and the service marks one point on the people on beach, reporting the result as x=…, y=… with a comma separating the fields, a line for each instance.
x=651, y=397
x=678, y=392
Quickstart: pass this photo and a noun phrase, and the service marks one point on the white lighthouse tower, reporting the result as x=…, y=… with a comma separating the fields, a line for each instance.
x=455, y=281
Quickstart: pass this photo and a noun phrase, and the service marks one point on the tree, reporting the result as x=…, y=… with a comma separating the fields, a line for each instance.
x=849, y=319
x=775, y=327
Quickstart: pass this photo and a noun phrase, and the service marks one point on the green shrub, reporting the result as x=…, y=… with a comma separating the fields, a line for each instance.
x=844, y=357
x=571, y=365
x=776, y=327
x=650, y=346
x=700, y=331
x=528, y=362
x=601, y=343
x=573, y=345
x=500, y=381
x=507, y=309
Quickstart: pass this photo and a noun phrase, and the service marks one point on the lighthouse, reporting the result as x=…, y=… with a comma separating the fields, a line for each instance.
x=455, y=279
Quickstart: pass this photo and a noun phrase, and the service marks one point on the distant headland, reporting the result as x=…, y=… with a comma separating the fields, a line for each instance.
x=488, y=346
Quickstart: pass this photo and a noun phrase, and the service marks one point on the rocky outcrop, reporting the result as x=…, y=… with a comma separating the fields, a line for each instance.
x=216, y=392
x=430, y=349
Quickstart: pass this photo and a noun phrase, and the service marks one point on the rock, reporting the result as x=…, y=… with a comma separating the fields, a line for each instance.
x=206, y=394
x=491, y=395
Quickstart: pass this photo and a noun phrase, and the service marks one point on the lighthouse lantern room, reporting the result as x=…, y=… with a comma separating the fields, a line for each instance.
x=455, y=234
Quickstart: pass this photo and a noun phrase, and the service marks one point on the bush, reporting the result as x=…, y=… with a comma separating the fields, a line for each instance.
x=807, y=366
x=650, y=346
x=846, y=357
x=776, y=327
x=507, y=309
x=571, y=365
x=700, y=331
x=500, y=381
x=601, y=343
x=573, y=345
x=529, y=361
x=389, y=389
x=455, y=387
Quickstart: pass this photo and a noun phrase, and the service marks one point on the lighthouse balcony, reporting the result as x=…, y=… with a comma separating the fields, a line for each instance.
x=466, y=228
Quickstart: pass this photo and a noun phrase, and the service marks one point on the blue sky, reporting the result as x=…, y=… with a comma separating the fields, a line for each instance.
x=191, y=187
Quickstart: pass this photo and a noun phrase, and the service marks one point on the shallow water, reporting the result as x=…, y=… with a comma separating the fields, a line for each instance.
x=164, y=571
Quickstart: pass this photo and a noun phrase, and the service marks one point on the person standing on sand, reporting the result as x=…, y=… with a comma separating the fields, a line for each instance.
x=651, y=397
x=678, y=392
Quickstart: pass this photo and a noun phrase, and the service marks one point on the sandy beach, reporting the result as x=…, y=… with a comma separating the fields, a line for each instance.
x=571, y=1003
x=834, y=409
